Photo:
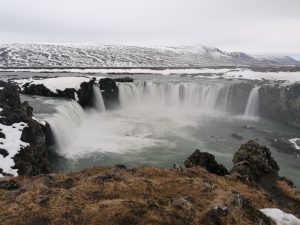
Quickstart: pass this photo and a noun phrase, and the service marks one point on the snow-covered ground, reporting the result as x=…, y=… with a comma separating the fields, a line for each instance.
x=280, y=217
x=56, y=83
x=12, y=144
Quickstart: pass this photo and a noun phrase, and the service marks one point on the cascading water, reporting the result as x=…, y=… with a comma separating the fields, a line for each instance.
x=64, y=123
x=252, y=107
x=98, y=99
x=205, y=97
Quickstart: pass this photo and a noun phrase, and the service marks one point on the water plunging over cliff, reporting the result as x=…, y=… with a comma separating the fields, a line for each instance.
x=252, y=108
x=204, y=97
x=98, y=99
x=65, y=122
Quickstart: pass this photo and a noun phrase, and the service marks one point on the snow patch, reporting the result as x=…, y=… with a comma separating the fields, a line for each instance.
x=280, y=217
x=12, y=144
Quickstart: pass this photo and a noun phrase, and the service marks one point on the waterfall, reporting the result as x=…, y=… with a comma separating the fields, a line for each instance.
x=205, y=97
x=98, y=99
x=64, y=122
x=252, y=107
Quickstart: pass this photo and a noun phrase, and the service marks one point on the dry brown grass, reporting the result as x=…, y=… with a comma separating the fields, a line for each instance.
x=107, y=196
x=292, y=193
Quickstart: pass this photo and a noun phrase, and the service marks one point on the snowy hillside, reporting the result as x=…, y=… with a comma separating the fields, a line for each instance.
x=93, y=55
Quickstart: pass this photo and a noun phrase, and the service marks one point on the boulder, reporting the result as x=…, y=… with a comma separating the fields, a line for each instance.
x=32, y=158
x=207, y=161
x=254, y=161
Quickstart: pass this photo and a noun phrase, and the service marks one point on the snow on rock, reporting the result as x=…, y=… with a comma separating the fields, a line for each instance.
x=12, y=144
x=39, y=121
x=280, y=217
x=54, y=84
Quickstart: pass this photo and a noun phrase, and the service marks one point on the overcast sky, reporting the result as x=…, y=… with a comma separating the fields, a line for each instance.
x=253, y=26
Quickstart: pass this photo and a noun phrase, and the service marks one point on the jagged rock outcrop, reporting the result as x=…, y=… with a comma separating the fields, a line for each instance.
x=207, y=161
x=110, y=93
x=281, y=103
x=254, y=161
x=31, y=159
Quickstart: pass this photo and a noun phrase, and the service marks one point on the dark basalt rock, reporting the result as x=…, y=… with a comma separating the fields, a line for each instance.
x=281, y=103
x=31, y=160
x=110, y=93
x=254, y=161
x=123, y=79
x=3, y=152
x=206, y=161
x=85, y=94
x=2, y=135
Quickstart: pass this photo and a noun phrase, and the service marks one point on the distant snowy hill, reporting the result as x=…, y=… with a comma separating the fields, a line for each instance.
x=93, y=55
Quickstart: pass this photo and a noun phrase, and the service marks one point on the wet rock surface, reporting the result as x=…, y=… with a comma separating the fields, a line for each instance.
x=32, y=159
x=207, y=161
x=281, y=103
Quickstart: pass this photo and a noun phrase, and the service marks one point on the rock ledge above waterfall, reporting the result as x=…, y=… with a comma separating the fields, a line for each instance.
x=79, y=88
